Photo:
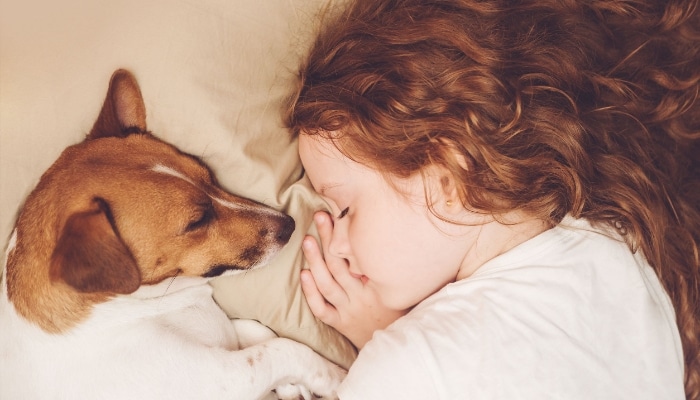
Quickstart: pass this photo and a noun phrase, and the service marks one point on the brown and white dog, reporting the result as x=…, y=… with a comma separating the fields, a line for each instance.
x=104, y=294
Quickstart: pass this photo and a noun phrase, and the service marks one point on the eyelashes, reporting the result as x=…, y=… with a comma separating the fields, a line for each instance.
x=343, y=213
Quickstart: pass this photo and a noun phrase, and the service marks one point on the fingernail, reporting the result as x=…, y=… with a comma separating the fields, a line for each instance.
x=306, y=243
x=319, y=218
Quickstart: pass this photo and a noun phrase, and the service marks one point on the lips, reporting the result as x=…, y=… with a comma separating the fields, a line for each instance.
x=363, y=278
x=218, y=270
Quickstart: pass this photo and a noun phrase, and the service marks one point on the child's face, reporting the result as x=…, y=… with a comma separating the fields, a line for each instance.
x=390, y=239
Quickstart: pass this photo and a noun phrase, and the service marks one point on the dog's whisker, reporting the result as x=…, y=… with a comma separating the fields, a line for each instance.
x=177, y=273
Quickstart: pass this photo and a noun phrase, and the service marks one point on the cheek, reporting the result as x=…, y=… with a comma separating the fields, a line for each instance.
x=370, y=248
x=405, y=256
x=384, y=244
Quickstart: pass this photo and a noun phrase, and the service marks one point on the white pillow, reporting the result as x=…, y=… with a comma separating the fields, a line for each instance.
x=214, y=75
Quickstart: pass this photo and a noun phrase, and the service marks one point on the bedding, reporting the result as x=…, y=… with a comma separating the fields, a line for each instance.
x=214, y=75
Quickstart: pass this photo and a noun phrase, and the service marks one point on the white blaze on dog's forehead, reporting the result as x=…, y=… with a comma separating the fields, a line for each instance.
x=260, y=209
x=163, y=169
x=160, y=168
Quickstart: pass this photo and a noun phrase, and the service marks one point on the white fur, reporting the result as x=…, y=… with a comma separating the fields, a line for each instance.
x=166, y=341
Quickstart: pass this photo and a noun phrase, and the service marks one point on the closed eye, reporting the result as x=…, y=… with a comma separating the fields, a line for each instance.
x=343, y=213
x=205, y=216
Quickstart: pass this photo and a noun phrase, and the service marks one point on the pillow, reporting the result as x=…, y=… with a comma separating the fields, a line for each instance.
x=214, y=75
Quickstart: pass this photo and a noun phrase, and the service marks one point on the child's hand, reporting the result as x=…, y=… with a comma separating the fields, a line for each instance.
x=335, y=296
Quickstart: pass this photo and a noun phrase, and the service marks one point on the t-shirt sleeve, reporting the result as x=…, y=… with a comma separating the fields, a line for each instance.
x=388, y=367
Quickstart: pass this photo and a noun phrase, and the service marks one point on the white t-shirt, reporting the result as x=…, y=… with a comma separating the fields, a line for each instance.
x=569, y=314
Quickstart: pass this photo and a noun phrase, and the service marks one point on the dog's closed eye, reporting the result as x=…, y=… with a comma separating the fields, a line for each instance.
x=203, y=217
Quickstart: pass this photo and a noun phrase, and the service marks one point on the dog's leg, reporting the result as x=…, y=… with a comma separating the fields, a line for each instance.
x=251, y=332
x=264, y=363
x=168, y=368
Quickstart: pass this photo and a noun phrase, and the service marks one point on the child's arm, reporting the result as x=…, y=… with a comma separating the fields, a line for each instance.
x=335, y=296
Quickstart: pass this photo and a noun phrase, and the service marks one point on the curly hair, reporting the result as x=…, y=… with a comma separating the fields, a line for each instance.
x=556, y=107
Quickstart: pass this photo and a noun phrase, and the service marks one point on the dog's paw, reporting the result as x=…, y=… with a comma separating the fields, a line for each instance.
x=324, y=382
x=321, y=386
x=293, y=392
x=306, y=369
x=299, y=392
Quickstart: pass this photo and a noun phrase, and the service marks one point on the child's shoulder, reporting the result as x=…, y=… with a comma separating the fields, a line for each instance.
x=572, y=244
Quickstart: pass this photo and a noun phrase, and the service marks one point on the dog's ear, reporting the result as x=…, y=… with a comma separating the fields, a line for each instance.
x=123, y=111
x=91, y=257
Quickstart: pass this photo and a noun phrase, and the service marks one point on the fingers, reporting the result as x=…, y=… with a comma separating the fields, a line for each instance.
x=325, y=282
x=328, y=282
x=324, y=226
x=317, y=303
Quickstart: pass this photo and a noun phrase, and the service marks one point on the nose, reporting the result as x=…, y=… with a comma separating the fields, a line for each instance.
x=339, y=245
x=279, y=228
x=285, y=228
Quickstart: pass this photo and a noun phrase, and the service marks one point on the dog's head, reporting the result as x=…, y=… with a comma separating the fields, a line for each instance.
x=123, y=208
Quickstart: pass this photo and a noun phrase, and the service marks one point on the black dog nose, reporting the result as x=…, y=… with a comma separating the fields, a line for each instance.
x=285, y=229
